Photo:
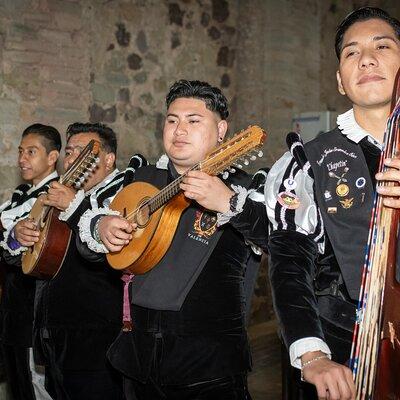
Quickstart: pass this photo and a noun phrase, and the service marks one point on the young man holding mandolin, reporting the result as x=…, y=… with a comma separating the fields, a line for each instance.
x=318, y=240
x=187, y=338
x=78, y=312
x=38, y=153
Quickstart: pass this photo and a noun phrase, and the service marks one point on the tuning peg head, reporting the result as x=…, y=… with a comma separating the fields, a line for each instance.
x=246, y=161
x=252, y=158
x=260, y=153
x=77, y=185
x=225, y=175
x=232, y=170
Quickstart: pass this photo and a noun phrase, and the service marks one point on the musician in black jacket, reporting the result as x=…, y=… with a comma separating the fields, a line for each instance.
x=38, y=154
x=78, y=313
x=319, y=200
x=188, y=337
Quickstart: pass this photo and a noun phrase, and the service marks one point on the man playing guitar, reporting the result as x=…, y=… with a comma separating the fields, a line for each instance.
x=78, y=313
x=188, y=334
x=38, y=154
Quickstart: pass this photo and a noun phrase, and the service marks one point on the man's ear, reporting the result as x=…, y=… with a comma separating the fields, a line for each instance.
x=339, y=82
x=110, y=161
x=222, y=129
x=53, y=157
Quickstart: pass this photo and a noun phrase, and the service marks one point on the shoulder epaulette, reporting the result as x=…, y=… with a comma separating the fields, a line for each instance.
x=296, y=148
x=137, y=161
x=259, y=178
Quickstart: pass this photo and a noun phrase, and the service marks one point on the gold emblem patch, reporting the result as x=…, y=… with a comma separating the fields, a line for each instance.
x=342, y=190
x=347, y=203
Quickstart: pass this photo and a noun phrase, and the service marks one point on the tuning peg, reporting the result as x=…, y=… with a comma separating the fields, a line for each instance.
x=225, y=175
x=260, y=153
x=78, y=185
x=246, y=161
x=232, y=170
x=252, y=158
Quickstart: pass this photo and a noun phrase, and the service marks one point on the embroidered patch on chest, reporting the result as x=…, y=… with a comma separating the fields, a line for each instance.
x=205, y=224
x=288, y=200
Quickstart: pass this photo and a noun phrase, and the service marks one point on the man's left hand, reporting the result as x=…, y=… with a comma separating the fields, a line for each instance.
x=391, y=193
x=209, y=191
x=59, y=196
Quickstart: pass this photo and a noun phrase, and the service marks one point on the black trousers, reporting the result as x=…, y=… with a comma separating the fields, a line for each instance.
x=66, y=384
x=227, y=388
x=16, y=362
x=84, y=385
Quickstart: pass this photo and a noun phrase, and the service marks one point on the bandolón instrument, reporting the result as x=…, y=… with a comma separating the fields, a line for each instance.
x=375, y=358
x=157, y=212
x=46, y=256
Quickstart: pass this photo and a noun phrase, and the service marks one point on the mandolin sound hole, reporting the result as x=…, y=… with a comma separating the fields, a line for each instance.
x=142, y=217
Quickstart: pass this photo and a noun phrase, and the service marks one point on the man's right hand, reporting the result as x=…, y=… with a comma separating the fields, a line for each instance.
x=333, y=381
x=115, y=232
x=26, y=233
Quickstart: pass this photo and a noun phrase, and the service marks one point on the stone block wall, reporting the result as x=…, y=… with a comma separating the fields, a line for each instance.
x=63, y=61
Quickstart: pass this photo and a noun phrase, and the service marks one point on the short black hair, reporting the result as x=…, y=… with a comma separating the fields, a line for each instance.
x=211, y=95
x=50, y=135
x=363, y=14
x=107, y=136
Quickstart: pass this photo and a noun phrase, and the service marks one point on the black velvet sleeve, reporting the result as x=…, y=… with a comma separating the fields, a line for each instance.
x=252, y=223
x=74, y=218
x=15, y=261
x=88, y=254
x=292, y=273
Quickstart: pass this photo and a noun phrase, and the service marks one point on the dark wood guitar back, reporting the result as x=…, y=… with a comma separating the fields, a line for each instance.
x=387, y=385
x=45, y=257
x=50, y=253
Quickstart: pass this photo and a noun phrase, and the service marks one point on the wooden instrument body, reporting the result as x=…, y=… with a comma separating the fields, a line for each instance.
x=151, y=241
x=387, y=384
x=46, y=256
x=137, y=201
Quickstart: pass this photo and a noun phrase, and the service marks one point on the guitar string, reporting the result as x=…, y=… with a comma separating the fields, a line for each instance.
x=171, y=190
x=162, y=196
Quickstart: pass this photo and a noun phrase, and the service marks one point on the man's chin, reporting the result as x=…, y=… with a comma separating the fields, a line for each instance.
x=373, y=100
x=26, y=176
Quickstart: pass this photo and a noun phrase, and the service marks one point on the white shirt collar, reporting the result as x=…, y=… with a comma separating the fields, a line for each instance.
x=103, y=183
x=350, y=128
x=53, y=175
x=162, y=162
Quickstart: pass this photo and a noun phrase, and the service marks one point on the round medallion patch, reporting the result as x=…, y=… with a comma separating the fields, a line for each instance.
x=342, y=190
x=360, y=182
x=288, y=200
